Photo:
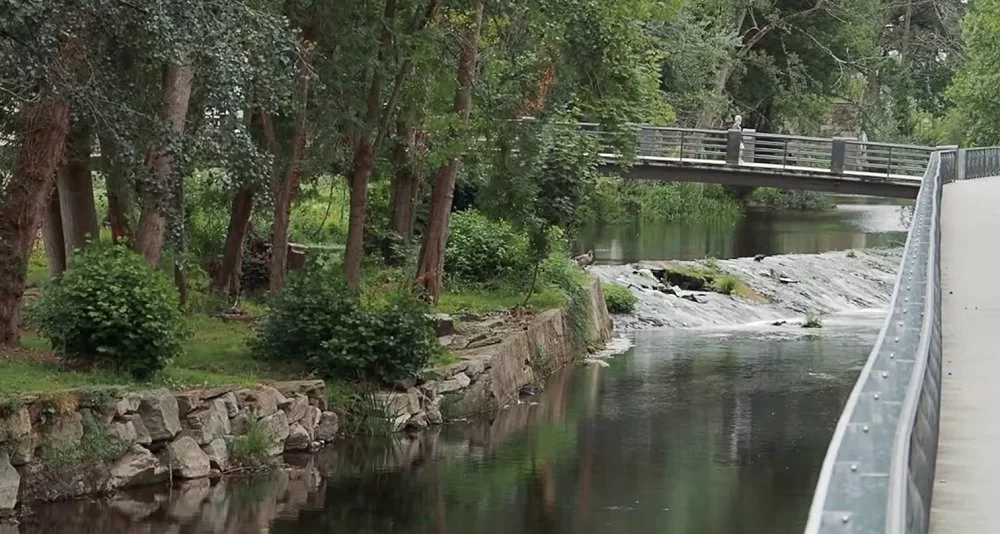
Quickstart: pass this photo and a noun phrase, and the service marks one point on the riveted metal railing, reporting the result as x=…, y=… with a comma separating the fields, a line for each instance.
x=878, y=475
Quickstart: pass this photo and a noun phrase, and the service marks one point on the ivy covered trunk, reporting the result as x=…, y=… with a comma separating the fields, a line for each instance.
x=119, y=191
x=405, y=184
x=177, y=81
x=46, y=122
x=232, y=252
x=430, y=270
x=285, y=187
x=76, y=191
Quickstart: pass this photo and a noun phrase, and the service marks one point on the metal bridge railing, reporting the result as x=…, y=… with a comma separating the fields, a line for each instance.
x=655, y=145
x=878, y=475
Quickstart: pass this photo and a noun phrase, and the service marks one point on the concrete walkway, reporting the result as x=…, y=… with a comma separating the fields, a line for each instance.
x=967, y=482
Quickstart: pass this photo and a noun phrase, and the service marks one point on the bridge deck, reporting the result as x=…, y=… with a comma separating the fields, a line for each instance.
x=966, y=496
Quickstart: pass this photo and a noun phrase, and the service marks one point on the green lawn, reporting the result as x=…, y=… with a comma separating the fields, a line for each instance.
x=215, y=355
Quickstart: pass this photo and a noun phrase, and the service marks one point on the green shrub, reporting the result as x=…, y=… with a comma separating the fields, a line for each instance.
x=111, y=309
x=619, y=299
x=251, y=450
x=561, y=273
x=317, y=320
x=482, y=251
x=784, y=199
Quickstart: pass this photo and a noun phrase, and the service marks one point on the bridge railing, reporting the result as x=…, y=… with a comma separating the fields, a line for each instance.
x=878, y=474
x=654, y=145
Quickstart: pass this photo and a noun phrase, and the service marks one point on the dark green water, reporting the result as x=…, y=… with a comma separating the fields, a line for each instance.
x=850, y=225
x=690, y=432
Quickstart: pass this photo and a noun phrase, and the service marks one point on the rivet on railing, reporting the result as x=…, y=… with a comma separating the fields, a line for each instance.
x=875, y=396
x=885, y=374
x=865, y=429
x=845, y=518
x=854, y=467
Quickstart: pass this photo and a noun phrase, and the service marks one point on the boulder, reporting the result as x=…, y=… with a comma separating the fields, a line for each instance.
x=186, y=459
x=160, y=414
x=298, y=438
x=444, y=325
x=296, y=407
x=418, y=422
x=434, y=416
x=309, y=388
x=10, y=481
x=218, y=453
x=238, y=425
x=216, y=392
x=232, y=405
x=142, y=436
x=309, y=422
x=138, y=466
x=326, y=429
x=276, y=429
x=207, y=423
x=128, y=404
x=455, y=383
x=261, y=402
x=17, y=435
x=397, y=404
x=63, y=430
x=123, y=432
x=187, y=401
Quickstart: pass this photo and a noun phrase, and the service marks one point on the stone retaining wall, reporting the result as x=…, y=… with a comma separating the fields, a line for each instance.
x=50, y=447
x=487, y=378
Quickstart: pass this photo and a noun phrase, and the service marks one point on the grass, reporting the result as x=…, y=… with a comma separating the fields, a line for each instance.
x=482, y=300
x=813, y=321
x=709, y=277
x=216, y=355
x=618, y=298
x=251, y=449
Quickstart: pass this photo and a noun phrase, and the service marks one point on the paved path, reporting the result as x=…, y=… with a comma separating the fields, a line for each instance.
x=967, y=482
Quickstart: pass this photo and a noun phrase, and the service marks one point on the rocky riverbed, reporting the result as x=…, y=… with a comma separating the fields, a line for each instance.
x=783, y=288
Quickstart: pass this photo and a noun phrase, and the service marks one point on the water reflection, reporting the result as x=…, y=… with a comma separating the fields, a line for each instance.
x=693, y=432
x=757, y=232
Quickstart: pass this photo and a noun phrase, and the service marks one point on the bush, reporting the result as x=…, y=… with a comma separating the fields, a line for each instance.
x=482, y=251
x=727, y=284
x=317, y=320
x=110, y=308
x=619, y=299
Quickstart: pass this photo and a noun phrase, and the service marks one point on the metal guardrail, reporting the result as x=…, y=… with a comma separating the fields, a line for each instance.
x=655, y=145
x=878, y=475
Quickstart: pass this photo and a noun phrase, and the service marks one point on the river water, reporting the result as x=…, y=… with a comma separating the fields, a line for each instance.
x=713, y=429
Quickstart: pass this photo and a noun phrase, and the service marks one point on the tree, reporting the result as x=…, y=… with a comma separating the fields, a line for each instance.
x=430, y=271
x=974, y=88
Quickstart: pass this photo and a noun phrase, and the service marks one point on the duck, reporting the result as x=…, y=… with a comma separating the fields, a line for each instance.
x=759, y=257
x=584, y=260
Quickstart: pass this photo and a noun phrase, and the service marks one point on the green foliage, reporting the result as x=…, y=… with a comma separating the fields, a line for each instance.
x=727, y=284
x=786, y=199
x=813, y=321
x=483, y=252
x=316, y=320
x=111, y=309
x=561, y=273
x=610, y=199
x=251, y=449
x=974, y=88
x=363, y=412
x=619, y=299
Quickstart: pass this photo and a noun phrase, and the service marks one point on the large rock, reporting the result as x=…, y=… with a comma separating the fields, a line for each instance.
x=187, y=401
x=455, y=383
x=218, y=454
x=309, y=388
x=138, y=466
x=17, y=436
x=309, y=422
x=159, y=412
x=232, y=405
x=62, y=431
x=123, y=432
x=207, y=423
x=327, y=428
x=10, y=481
x=239, y=424
x=275, y=427
x=142, y=436
x=295, y=408
x=261, y=402
x=434, y=416
x=186, y=459
x=444, y=325
x=128, y=404
x=397, y=404
x=298, y=438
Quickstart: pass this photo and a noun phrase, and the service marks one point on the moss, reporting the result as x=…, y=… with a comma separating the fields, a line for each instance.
x=708, y=277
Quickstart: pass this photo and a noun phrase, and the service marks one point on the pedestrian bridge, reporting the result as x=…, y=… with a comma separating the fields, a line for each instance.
x=752, y=159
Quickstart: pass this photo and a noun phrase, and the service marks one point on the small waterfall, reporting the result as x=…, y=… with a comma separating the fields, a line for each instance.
x=790, y=286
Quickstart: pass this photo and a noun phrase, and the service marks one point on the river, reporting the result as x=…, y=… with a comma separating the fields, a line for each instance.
x=703, y=430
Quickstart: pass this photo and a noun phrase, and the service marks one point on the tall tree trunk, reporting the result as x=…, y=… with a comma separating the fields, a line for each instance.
x=405, y=183
x=119, y=190
x=75, y=184
x=232, y=252
x=710, y=110
x=430, y=271
x=177, y=81
x=43, y=139
x=364, y=158
x=284, y=189
x=52, y=237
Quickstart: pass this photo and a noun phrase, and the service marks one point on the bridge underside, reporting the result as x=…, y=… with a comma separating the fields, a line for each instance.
x=812, y=180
